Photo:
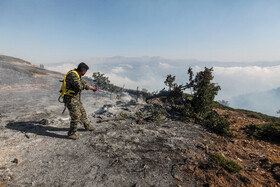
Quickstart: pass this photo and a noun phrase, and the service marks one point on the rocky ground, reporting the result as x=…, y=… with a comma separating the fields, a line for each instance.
x=118, y=153
x=121, y=151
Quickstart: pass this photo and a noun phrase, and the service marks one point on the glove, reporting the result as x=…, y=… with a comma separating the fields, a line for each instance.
x=94, y=89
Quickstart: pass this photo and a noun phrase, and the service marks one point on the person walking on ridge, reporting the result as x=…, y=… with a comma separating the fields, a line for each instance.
x=72, y=86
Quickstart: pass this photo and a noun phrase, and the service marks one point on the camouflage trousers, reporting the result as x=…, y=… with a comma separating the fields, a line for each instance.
x=77, y=113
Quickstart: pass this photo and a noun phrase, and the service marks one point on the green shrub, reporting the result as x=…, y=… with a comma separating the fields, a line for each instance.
x=269, y=131
x=228, y=165
x=216, y=123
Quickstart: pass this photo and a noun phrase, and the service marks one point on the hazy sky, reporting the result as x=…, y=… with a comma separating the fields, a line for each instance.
x=43, y=31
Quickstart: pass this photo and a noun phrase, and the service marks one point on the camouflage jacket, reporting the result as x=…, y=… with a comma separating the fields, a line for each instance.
x=73, y=82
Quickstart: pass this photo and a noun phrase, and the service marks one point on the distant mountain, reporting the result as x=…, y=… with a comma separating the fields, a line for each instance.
x=267, y=102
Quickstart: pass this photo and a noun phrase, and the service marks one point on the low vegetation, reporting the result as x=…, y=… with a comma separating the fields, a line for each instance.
x=270, y=131
x=228, y=165
x=218, y=124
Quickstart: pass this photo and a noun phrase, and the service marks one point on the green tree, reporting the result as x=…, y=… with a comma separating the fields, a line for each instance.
x=170, y=82
x=204, y=91
x=100, y=80
x=103, y=82
x=198, y=105
x=175, y=90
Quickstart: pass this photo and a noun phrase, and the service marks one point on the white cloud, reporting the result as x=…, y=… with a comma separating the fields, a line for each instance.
x=164, y=65
x=118, y=70
x=128, y=66
x=151, y=83
x=64, y=68
x=236, y=81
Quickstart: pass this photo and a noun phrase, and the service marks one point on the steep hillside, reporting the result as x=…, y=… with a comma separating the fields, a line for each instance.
x=10, y=59
x=23, y=83
x=124, y=150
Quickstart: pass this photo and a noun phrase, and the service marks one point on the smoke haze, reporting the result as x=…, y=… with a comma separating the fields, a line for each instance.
x=237, y=80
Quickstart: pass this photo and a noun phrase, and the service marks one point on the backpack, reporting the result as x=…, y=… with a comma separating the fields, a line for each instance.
x=63, y=90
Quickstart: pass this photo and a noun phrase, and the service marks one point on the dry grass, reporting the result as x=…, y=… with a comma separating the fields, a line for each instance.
x=23, y=64
x=273, y=159
x=239, y=121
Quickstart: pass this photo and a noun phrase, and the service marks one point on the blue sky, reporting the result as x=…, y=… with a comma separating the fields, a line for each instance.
x=44, y=31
